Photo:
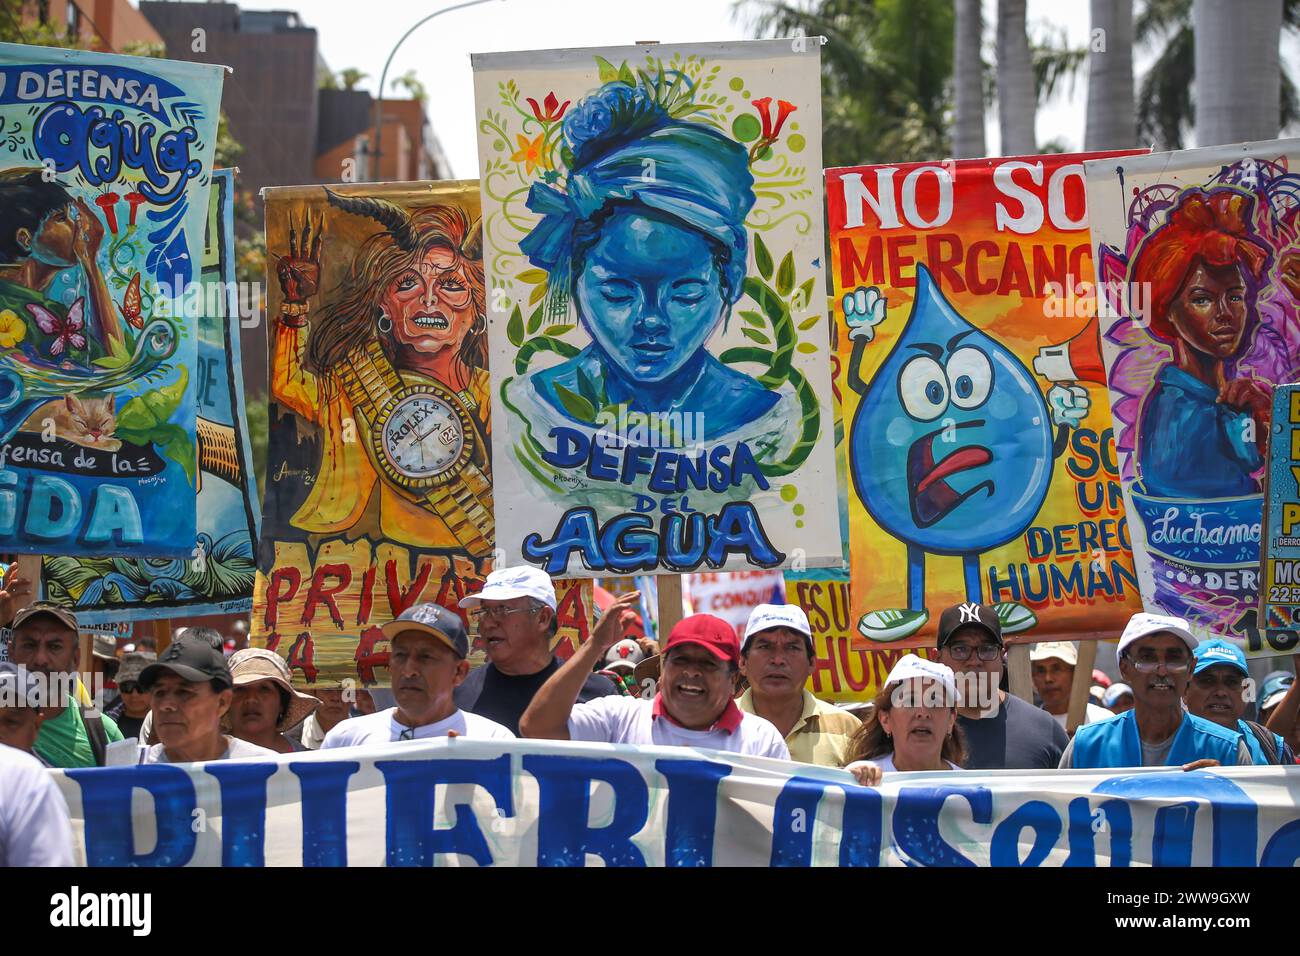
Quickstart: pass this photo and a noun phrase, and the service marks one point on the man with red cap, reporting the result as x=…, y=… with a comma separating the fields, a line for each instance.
x=694, y=705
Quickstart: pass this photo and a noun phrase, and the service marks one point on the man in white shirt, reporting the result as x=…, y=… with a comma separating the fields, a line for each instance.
x=34, y=825
x=694, y=705
x=1052, y=666
x=428, y=648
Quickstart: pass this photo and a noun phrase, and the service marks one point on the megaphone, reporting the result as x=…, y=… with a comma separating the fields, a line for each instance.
x=1074, y=360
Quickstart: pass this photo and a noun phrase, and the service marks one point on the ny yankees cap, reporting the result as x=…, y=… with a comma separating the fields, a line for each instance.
x=970, y=614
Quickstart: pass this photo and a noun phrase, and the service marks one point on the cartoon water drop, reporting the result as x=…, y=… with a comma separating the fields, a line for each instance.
x=952, y=448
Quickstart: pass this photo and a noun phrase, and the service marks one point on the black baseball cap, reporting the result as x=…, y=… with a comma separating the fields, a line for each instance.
x=436, y=621
x=982, y=616
x=191, y=658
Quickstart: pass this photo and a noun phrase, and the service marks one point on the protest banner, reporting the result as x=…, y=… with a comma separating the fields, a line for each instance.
x=659, y=345
x=967, y=482
x=1196, y=253
x=455, y=802
x=379, y=476
x=1279, y=597
x=218, y=578
x=732, y=595
x=104, y=185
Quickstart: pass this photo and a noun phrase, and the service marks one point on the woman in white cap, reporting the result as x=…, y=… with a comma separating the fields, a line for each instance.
x=265, y=703
x=913, y=725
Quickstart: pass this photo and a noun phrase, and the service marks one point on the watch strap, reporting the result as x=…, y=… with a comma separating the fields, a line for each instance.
x=465, y=506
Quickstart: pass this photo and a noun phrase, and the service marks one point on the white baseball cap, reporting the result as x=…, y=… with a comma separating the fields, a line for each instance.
x=1061, y=650
x=1142, y=625
x=910, y=666
x=766, y=616
x=507, y=583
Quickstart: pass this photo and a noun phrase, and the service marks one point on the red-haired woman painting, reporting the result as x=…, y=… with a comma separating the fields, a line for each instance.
x=404, y=329
x=1202, y=429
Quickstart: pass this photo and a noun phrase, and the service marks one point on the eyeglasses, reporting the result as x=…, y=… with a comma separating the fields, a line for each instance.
x=130, y=687
x=962, y=652
x=1149, y=665
x=497, y=613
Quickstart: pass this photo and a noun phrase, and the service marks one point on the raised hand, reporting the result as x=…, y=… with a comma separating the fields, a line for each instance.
x=14, y=593
x=1069, y=404
x=90, y=233
x=864, y=309
x=299, y=271
x=614, y=622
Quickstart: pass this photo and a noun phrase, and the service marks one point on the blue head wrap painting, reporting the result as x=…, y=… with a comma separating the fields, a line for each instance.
x=659, y=353
x=648, y=237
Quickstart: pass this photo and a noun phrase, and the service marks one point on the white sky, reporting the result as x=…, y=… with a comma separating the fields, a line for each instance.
x=362, y=35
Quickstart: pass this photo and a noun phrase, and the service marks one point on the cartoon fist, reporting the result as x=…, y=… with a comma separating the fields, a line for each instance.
x=864, y=309
x=1069, y=404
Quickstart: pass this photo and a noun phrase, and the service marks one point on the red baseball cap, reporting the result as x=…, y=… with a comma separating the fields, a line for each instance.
x=707, y=631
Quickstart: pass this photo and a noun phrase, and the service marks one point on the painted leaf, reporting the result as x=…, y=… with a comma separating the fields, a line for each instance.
x=537, y=293
x=753, y=318
x=587, y=389
x=785, y=276
x=515, y=328
x=607, y=71
x=535, y=321
x=806, y=293
x=532, y=276
x=807, y=348
x=756, y=336
x=767, y=300
x=557, y=330
x=762, y=258
x=808, y=323
x=575, y=404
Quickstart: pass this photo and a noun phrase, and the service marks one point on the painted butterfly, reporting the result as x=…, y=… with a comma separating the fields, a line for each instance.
x=67, y=331
x=131, y=303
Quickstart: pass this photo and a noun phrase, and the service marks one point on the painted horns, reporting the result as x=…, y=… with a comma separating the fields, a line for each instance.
x=399, y=223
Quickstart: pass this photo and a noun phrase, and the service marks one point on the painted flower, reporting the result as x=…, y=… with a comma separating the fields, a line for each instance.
x=783, y=109
x=550, y=110
x=12, y=329
x=530, y=153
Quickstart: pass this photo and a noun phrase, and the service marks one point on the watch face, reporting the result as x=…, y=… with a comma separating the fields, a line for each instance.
x=423, y=436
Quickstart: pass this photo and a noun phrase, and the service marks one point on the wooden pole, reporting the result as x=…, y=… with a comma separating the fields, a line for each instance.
x=670, y=604
x=1079, y=687
x=162, y=634
x=1019, y=678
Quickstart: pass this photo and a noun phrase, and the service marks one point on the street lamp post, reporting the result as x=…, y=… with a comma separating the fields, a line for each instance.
x=383, y=78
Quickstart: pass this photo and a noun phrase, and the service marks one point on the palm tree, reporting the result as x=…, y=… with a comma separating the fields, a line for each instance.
x=1166, y=108
x=1238, y=78
x=968, y=86
x=1111, y=123
x=351, y=77
x=411, y=83
x=1017, y=100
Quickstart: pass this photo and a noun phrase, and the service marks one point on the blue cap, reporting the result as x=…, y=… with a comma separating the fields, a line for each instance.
x=1209, y=653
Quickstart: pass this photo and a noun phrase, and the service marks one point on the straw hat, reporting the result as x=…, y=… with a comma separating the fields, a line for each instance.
x=252, y=664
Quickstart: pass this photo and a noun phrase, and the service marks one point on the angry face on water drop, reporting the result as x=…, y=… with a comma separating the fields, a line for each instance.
x=952, y=442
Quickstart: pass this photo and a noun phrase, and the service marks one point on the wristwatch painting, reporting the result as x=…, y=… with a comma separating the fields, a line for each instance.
x=423, y=440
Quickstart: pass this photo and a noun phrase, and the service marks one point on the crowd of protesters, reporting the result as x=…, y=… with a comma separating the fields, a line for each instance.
x=1180, y=702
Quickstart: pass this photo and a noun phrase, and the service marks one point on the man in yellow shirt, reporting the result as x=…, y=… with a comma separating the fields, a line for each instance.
x=776, y=657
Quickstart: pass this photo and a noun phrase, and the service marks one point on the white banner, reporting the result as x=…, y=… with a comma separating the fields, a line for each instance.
x=543, y=803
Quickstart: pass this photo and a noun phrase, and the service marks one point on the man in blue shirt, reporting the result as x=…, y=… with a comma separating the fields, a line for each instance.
x=1155, y=659
x=1217, y=693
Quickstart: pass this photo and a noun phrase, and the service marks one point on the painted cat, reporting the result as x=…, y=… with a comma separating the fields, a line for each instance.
x=89, y=422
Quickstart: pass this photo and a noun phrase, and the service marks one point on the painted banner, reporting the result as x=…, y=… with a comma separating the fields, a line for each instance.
x=732, y=595
x=550, y=803
x=379, y=476
x=843, y=671
x=1198, y=254
x=105, y=168
x=218, y=578
x=659, y=346
x=1280, y=594
x=972, y=477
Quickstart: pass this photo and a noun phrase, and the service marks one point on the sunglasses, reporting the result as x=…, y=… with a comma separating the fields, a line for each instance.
x=130, y=687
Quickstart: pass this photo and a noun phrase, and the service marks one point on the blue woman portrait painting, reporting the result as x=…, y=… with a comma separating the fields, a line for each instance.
x=647, y=238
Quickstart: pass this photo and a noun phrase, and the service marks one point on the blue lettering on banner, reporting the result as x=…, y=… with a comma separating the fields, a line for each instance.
x=632, y=806
x=412, y=784
x=692, y=810
x=325, y=811
x=628, y=542
x=110, y=834
x=564, y=836
x=243, y=810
